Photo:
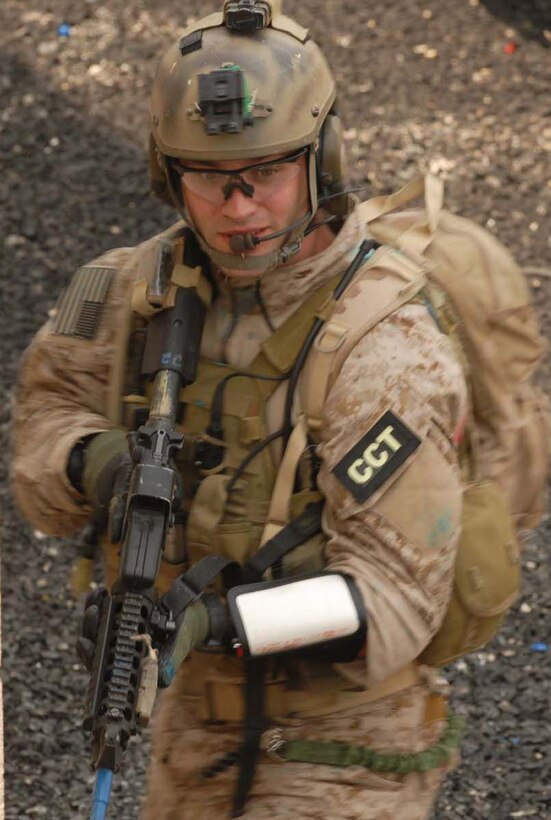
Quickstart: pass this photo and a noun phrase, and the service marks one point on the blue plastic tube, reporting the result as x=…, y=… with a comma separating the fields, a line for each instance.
x=102, y=792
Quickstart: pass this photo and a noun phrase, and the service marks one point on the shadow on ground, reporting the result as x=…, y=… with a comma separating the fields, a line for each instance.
x=529, y=17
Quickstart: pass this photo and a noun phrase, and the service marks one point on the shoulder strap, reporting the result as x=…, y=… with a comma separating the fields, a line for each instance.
x=417, y=230
x=386, y=282
x=393, y=276
x=279, y=352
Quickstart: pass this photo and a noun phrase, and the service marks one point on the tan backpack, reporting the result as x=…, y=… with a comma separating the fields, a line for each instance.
x=480, y=299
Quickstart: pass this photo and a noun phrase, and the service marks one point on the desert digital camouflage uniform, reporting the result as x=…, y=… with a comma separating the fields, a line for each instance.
x=399, y=546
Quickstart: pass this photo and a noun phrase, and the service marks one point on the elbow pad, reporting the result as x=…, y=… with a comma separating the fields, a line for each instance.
x=319, y=616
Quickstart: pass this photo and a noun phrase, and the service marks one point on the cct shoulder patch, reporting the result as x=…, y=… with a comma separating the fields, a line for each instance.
x=81, y=305
x=376, y=456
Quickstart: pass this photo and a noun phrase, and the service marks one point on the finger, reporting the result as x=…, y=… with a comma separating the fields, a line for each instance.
x=166, y=673
x=173, y=656
x=95, y=597
x=178, y=490
x=85, y=652
x=123, y=476
x=90, y=622
x=116, y=518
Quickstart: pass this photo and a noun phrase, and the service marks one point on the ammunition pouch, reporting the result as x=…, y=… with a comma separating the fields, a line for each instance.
x=214, y=690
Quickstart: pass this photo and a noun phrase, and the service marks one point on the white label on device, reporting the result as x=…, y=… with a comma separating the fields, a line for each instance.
x=297, y=614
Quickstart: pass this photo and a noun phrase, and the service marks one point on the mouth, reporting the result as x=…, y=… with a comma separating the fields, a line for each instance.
x=242, y=232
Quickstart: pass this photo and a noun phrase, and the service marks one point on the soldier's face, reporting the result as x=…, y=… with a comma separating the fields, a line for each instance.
x=272, y=207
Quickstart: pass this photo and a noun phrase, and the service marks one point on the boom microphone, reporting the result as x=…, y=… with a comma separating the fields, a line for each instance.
x=241, y=242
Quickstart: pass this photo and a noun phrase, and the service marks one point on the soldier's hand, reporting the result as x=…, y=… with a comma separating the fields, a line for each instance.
x=108, y=467
x=86, y=642
x=106, y=477
x=201, y=620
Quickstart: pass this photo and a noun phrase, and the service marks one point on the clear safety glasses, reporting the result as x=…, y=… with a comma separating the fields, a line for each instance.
x=259, y=181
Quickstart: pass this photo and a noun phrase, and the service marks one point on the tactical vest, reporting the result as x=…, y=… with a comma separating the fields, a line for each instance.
x=229, y=481
x=235, y=504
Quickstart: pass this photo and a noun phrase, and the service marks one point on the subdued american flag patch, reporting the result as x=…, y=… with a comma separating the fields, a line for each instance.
x=80, y=307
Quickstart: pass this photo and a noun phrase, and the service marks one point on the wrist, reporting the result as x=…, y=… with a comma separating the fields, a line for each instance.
x=101, y=457
x=220, y=624
x=75, y=462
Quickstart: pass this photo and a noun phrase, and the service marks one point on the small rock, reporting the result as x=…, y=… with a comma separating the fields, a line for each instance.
x=13, y=240
x=48, y=47
x=343, y=40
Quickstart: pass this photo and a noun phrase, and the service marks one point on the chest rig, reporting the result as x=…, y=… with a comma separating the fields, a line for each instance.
x=230, y=460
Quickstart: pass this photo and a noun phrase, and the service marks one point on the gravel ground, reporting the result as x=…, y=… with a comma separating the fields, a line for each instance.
x=460, y=87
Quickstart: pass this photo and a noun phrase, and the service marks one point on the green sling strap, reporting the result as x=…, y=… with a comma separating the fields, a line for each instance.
x=342, y=754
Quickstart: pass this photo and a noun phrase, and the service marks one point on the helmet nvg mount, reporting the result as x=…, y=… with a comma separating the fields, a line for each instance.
x=246, y=83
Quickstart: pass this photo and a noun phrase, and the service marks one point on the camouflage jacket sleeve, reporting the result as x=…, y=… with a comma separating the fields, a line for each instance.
x=61, y=394
x=391, y=479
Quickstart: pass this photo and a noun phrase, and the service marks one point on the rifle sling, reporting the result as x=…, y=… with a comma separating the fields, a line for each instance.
x=296, y=532
x=189, y=586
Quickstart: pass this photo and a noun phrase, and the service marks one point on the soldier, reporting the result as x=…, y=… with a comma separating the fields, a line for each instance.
x=368, y=417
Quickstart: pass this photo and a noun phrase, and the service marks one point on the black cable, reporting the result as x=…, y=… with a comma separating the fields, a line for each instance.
x=366, y=246
x=295, y=373
x=216, y=411
x=249, y=457
x=323, y=199
x=323, y=222
x=210, y=455
x=262, y=305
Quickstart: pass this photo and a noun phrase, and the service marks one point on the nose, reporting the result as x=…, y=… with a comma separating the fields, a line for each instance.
x=238, y=206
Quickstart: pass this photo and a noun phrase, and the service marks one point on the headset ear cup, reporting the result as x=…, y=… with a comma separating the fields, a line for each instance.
x=157, y=176
x=332, y=166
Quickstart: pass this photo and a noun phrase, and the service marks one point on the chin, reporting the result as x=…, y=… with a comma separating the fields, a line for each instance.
x=237, y=274
x=241, y=275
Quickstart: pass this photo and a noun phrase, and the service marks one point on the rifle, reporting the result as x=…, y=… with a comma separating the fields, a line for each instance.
x=128, y=615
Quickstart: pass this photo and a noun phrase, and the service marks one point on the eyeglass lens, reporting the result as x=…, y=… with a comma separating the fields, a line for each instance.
x=260, y=181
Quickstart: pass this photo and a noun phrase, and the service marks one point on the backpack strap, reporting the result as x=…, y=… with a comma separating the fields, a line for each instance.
x=417, y=233
x=392, y=277
x=387, y=281
x=278, y=514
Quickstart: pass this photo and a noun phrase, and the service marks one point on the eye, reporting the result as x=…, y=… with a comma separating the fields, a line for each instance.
x=264, y=174
x=208, y=177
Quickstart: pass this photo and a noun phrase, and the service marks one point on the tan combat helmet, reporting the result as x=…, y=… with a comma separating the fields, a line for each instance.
x=245, y=83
